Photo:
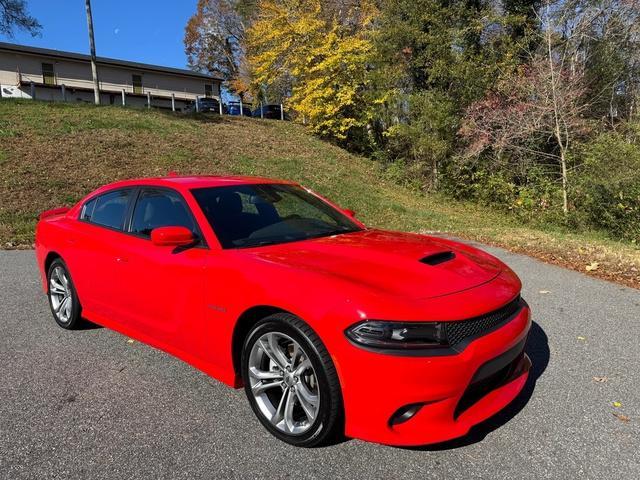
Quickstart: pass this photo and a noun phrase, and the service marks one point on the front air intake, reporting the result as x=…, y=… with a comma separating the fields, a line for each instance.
x=438, y=258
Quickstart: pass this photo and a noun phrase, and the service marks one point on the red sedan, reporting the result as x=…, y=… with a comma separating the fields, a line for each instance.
x=331, y=327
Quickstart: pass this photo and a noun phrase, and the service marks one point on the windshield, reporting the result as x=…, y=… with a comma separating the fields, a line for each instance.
x=254, y=215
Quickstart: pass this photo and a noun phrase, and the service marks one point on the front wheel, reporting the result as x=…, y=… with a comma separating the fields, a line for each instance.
x=291, y=382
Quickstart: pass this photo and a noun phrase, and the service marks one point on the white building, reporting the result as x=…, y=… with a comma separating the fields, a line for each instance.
x=53, y=75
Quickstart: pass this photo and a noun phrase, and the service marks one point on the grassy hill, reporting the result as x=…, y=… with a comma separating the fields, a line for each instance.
x=53, y=154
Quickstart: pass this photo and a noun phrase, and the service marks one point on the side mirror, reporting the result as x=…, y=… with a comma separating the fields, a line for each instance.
x=171, y=236
x=349, y=213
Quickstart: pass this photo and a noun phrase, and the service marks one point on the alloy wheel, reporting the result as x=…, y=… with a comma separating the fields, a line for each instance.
x=284, y=383
x=61, y=295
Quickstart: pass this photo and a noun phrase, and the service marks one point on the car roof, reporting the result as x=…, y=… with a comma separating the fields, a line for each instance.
x=195, y=181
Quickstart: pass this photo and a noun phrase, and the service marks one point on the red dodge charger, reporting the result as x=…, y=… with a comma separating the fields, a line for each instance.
x=330, y=326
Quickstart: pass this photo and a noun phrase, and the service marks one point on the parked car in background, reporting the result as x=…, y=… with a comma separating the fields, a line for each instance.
x=233, y=108
x=270, y=111
x=205, y=105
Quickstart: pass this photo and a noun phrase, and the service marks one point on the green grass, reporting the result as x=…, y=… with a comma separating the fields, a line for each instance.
x=53, y=154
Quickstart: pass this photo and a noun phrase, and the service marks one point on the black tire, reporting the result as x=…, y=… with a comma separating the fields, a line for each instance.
x=328, y=424
x=74, y=318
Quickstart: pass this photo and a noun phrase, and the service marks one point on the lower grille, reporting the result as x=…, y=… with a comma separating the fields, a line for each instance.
x=491, y=375
x=478, y=390
x=465, y=330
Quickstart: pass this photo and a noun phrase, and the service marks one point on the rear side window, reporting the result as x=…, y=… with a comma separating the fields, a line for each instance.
x=87, y=210
x=160, y=208
x=108, y=209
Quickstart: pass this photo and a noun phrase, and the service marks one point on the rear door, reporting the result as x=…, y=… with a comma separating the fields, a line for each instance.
x=166, y=298
x=97, y=251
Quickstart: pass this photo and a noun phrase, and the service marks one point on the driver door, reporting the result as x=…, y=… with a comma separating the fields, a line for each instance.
x=166, y=300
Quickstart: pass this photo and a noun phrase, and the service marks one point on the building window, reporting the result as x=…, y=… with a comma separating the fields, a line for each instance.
x=48, y=74
x=208, y=90
x=137, y=83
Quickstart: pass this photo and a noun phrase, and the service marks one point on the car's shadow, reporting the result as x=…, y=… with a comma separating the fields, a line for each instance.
x=538, y=350
x=87, y=325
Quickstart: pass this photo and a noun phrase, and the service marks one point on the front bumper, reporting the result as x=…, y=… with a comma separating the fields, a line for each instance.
x=455, y=392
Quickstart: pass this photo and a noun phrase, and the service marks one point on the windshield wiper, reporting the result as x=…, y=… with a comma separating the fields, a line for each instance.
x=310, y=236
x=330, y=233
x=261, y=243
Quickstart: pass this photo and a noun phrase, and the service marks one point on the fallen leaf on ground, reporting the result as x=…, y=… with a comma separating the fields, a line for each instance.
x=621, y=417
x=617, y=404
x=592, y=266
x=544, y=291
x=581, y=338
x=131, y=340
x=600, y=379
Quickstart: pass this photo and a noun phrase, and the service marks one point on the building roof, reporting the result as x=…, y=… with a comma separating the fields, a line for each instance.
x=12, y=47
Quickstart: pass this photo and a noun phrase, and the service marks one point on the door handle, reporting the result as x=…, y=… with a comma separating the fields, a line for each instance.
x=121, y=260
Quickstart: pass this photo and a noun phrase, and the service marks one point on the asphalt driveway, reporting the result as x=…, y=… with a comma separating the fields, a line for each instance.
x=91, y=404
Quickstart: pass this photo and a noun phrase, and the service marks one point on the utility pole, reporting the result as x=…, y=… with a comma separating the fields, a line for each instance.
x=92, y=43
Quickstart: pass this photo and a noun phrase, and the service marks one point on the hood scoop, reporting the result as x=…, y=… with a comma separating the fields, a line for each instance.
x=438, y=258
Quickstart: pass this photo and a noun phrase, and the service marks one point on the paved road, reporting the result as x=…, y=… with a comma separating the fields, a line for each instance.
x=88, y=404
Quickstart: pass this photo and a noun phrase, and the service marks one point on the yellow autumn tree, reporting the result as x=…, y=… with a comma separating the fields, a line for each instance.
x=319, y=52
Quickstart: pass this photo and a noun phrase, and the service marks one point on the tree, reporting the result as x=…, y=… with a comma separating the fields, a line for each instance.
x=604, y=35
x=527, y=13
x=584, y=69
x=214, y=41
x=535, y=114
x=432, y=59
x=426, y=137
x=317, y=53
x=456, y=47
x=14, y=14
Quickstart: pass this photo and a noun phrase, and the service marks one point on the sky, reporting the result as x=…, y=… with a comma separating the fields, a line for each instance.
x=138, y=30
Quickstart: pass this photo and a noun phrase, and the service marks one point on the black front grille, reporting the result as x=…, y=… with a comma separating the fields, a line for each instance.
x=462, y=331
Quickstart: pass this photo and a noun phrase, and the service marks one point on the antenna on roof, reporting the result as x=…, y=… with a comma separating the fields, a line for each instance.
x=172, y=173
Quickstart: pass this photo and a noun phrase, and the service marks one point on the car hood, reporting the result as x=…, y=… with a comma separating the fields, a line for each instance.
x=404, y=264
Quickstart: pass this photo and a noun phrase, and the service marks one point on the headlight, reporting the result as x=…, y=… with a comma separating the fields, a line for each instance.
x=398, y=335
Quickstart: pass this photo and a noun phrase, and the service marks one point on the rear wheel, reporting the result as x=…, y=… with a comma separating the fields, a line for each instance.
x=291, y=382
x=63, y=299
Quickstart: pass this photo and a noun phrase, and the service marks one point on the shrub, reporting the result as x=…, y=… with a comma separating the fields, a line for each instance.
x=532, y=195
x=607, y=187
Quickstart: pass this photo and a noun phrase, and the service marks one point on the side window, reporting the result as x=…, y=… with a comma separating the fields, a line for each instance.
x=87, y=210
x=160, y=208
x=107, y=210
x=136, y=80
x=48, y=74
